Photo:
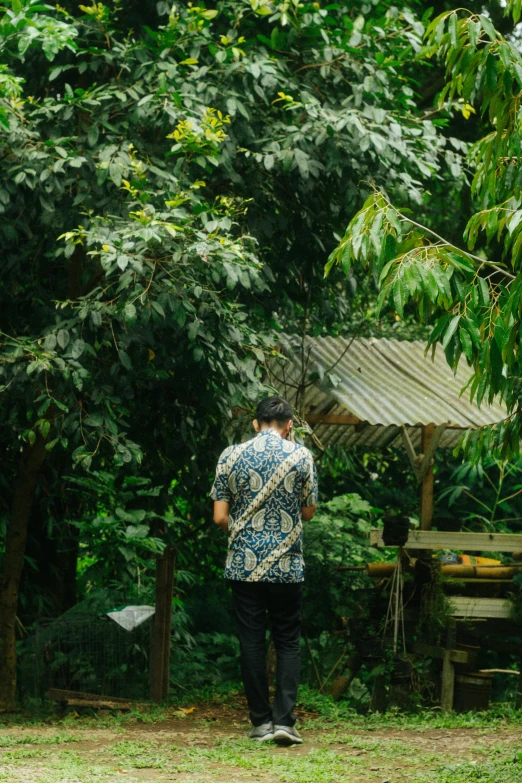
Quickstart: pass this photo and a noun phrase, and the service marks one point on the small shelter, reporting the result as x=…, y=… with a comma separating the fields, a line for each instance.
x=375, y=393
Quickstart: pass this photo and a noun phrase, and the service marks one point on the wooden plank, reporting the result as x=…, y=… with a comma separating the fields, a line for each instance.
x=97, y=704
x=455, y=656
x=480, y=607
x=476, y=542
x=332, y=418
x=466, y=581
x=58, y=694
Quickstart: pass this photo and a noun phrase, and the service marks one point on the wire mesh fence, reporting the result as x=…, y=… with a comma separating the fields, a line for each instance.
x=85, y=653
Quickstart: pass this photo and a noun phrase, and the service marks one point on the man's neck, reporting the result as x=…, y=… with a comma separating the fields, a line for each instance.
x=271, y=429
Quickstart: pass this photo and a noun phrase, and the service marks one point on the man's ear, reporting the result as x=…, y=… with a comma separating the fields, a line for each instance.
x=256, y=425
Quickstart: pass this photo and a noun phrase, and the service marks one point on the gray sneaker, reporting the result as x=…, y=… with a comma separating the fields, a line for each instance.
x=262, y=733
x=287, y=735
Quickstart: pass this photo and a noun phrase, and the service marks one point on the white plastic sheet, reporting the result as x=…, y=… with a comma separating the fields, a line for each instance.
x=129, y=617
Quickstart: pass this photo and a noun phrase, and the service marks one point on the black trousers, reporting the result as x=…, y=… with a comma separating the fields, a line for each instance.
x=282, y=602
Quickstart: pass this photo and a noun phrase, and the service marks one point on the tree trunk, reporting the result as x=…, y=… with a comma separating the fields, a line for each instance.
x=24, y=490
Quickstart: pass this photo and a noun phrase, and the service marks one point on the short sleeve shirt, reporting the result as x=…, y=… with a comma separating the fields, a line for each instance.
x=266, y=481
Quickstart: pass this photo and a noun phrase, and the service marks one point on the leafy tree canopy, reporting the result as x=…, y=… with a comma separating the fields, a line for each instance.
x=470, y=289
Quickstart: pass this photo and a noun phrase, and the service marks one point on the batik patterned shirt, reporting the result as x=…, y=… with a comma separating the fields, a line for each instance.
x=266, y=481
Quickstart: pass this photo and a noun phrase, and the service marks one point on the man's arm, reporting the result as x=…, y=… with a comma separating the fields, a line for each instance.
x=221, y=514
x=309, y=491
x=307, y=512
x=220, y=493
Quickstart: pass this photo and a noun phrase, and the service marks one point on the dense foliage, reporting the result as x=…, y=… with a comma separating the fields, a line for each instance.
x=172, y=179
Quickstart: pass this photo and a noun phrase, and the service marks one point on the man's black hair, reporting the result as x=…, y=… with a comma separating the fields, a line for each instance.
x=274, y=409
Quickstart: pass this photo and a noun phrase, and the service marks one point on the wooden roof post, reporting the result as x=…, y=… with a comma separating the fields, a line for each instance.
x=426, y=494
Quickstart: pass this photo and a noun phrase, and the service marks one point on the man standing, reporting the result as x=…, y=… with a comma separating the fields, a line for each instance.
x=262, y=491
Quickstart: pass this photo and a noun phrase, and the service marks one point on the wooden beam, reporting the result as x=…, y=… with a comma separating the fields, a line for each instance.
x=480, y=607
x=475, y=542
x=430, y=449
x=332, y=418
x=159, y=653
x=467, y=581
x=170, y=554
x=97, y=704
x=58, y=694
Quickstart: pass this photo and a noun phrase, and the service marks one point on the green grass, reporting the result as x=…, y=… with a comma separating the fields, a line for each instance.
x=204, y=755
x=8, y=740
x=508, y=770
x=333, y=712
x=341, y=747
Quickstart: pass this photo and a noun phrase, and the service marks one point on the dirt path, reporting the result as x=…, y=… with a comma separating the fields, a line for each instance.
x=209, y=745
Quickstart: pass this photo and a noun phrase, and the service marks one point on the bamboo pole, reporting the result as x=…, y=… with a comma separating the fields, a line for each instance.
x=426, y=494
x=377, y=570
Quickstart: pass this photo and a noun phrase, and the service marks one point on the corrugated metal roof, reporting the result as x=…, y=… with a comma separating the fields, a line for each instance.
x=385, y=384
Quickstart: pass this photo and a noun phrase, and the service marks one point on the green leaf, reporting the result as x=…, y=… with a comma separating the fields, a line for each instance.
x=94, y=420
x=46, y=202
x=137, y=531
x=63, y=338
x=93, y=135
x=467, y=344
x=50, y=342
x=51, y=444
x=453, y=30
x=130, y=311
x=77, y=349
x=438, y=328
x=484, y=290
x=488, y=28
x=115, y=174
x=491, y=73
x=474, y=33
x=125, y=359
x=450, y=331
x=399, y=296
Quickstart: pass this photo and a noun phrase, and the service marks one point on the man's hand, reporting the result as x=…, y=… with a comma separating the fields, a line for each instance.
x=221, y=514
x=307, y=512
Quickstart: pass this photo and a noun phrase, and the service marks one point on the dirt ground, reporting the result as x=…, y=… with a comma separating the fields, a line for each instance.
x=208, y=743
